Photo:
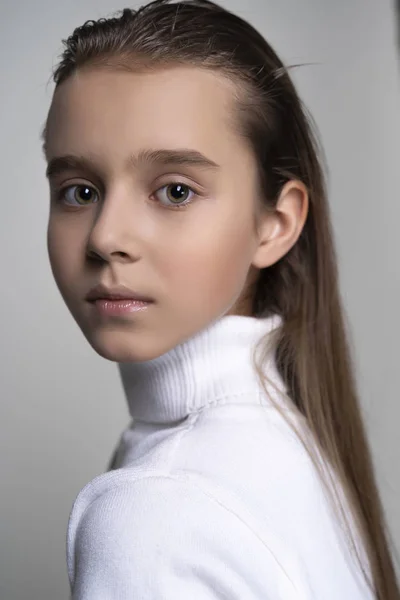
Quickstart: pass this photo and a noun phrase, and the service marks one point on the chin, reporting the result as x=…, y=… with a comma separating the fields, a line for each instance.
x=121, y=347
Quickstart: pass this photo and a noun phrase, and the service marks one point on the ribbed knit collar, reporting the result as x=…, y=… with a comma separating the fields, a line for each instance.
x=212, y=366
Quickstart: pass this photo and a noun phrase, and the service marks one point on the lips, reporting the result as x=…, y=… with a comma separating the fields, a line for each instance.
x=120, y=292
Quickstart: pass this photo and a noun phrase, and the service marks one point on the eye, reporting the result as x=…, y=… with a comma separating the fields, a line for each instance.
x=78, y=195
x=175, y=195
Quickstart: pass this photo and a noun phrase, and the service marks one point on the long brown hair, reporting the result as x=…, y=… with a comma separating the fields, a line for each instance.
x=312, y=352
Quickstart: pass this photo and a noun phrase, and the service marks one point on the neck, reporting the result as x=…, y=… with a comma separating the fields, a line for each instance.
x=213, y=366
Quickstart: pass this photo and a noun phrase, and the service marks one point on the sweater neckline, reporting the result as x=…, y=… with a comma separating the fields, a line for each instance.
x=213, y=366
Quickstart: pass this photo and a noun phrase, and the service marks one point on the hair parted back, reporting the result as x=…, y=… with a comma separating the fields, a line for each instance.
x=312, y=351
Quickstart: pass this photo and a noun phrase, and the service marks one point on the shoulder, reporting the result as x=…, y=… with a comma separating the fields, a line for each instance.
x=163, y=533
x=165, y=537
x=263, y=460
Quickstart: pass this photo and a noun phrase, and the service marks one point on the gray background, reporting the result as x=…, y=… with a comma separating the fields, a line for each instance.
x=62, y=407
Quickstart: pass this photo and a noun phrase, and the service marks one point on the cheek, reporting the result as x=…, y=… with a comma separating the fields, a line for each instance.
x=214, y=265
x=64, y=249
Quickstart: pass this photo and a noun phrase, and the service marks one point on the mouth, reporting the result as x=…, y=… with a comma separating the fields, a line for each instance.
x=117, y=293
x=117, y=301
x=109, y=308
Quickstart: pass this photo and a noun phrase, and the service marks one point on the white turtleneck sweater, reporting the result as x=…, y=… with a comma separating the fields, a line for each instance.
x=211, y=495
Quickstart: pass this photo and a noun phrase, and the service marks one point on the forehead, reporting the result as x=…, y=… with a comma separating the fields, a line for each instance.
x=119, y=110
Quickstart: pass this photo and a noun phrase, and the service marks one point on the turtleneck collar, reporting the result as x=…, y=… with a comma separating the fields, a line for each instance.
x=215, y=365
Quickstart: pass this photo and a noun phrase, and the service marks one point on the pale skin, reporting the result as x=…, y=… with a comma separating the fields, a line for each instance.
x=196, y=262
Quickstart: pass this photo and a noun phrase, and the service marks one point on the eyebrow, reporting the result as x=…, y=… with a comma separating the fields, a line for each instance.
x=161, y=156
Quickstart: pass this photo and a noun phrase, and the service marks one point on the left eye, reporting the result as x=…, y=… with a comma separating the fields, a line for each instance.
x=79, y=195
x=176, y=194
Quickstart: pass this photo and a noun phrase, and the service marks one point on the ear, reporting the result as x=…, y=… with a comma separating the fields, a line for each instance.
x=280, y=229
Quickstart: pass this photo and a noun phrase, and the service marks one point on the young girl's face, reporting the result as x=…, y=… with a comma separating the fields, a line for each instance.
x=151, y=189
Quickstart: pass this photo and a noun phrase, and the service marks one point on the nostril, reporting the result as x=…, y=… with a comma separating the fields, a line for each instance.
x=94, y=255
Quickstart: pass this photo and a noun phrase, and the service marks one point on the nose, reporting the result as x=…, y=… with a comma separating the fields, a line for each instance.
x=111, y=237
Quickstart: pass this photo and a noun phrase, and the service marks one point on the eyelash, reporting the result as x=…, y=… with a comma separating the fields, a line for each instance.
x=62, y=192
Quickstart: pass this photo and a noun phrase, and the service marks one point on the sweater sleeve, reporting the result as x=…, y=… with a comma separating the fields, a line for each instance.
x=159, y=538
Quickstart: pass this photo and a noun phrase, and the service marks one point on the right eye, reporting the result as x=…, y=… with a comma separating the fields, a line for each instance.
x=78, y=195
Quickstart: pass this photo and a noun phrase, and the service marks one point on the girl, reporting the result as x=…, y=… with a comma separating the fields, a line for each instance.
x=189, y=235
